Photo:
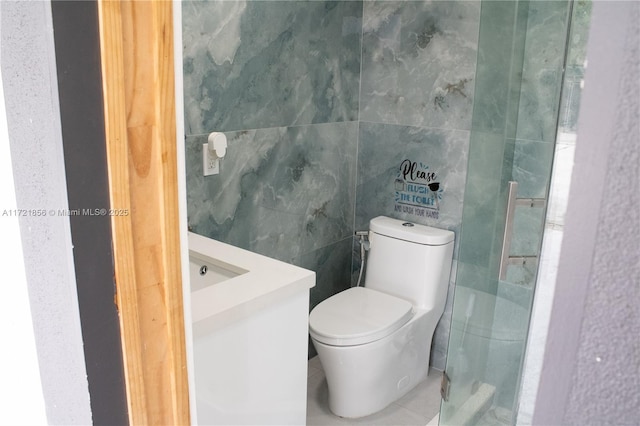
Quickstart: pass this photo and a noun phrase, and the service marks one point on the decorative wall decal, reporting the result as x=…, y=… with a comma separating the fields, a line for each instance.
x=417, y=190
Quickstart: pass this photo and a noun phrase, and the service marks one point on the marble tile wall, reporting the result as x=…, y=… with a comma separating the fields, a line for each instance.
x=542, y=70
x=281, y=79
x=281, y=192
x=258, y=64
x=416, y=103
x=321, y=102
x=418, y=63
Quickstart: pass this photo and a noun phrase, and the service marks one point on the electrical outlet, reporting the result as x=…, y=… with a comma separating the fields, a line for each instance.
x=210, y=163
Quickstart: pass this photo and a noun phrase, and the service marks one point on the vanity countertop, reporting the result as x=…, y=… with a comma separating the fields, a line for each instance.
x=261, y=282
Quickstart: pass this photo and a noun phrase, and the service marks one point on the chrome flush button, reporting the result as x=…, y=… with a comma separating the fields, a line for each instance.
x=409, y=224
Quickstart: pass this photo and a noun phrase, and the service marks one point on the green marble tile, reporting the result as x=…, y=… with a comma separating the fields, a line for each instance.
x=532, y=163
x=281, y=192
x=542, y=70
x=418, y=62
x=255, y=64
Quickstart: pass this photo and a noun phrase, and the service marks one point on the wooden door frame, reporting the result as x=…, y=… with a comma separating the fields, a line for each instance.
x=137, y=53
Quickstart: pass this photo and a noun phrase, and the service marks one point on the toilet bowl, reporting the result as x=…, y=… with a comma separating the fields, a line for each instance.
x=374, y=341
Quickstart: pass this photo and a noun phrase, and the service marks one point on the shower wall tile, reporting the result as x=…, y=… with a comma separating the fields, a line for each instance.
x=382, y=149
x=477, y=278
x=532, y=167
x=418, y=62
x=490, y=167
x=523, y=274
x=503, y=370
x=527, y=231
x=542, y=70
x=281, y=192
x=499, y=68
x=518, y=295
x=491, y=160
x=257, y=64
x=508, y=342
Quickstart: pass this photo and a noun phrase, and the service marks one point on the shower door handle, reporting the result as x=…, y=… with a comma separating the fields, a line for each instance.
x=508, y=229
x=512, y=202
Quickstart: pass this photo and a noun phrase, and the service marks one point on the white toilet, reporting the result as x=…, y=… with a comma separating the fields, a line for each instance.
x=374, y=341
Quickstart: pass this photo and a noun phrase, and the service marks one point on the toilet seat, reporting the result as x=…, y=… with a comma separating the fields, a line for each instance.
x=357, y=316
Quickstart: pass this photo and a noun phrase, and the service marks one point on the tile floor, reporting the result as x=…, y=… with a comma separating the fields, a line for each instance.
x=417, y=408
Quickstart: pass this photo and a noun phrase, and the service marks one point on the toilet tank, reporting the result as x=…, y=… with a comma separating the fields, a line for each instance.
x=410, y=261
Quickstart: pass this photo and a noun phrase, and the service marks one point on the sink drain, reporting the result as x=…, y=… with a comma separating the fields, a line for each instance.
x=203, y=269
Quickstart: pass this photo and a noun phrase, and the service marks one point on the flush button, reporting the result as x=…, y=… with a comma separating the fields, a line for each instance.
x=409, y=224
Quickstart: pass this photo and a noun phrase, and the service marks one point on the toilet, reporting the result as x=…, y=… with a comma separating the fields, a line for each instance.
x=374, y=341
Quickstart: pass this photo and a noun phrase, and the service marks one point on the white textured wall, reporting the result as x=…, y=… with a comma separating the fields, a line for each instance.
x=21, y=397
x=31, y=96
x=591, y=371
x=606, y=382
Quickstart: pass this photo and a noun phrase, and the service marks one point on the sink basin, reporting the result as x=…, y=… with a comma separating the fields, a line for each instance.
x=205, y=271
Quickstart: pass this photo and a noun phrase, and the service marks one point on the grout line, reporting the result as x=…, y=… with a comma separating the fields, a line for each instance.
x=285, y=126
x=361, y=61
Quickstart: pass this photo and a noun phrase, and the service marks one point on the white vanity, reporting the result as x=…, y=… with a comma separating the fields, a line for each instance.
x=250, y=328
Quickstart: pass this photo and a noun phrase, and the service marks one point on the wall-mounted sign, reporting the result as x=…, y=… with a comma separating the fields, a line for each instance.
x=417, y=190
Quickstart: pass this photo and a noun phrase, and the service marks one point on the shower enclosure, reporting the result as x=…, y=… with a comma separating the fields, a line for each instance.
x=520, y=80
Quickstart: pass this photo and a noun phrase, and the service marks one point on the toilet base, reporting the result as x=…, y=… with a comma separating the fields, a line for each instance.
x=365, y=379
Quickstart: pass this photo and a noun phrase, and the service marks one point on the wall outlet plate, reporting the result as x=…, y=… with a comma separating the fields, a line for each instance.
x=210, y=163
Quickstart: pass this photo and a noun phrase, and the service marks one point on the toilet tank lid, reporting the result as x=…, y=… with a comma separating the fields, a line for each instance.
x=412, y=232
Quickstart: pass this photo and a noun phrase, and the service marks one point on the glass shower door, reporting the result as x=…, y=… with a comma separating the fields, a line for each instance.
x=518, y=83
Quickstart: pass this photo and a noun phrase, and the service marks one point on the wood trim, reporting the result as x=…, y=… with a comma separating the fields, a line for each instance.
x=136, y=40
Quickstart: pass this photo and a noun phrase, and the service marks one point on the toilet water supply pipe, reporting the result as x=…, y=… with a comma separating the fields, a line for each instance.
x=364, y=246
